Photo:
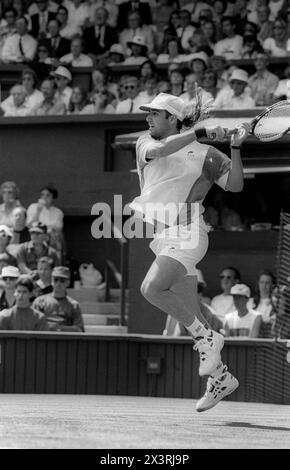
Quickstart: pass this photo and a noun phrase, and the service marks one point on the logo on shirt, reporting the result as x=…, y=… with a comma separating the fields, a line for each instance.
x=190, y=154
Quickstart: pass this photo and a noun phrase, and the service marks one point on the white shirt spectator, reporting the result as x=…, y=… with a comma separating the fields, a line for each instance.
x=230, y=48
x=205, y=97
x=270, y=46
x=82, y=61
x=31, y=101
x=77, y=16
x=52, y=217
x=64, y=96
x=11, y=49
x=185, y=34
x=241, y=326
x=69, y=31
x=227, y=100
x=17, y=111
x=283, y=89
x=195, y=10
x=130, y=105
x=223, y=304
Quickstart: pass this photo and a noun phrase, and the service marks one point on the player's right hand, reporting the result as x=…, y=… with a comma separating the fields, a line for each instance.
x=216, y=133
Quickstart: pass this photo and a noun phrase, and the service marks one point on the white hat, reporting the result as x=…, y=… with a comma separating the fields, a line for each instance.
x=63, y=72
x=167, y=102
x=10, y=271
x=117, y=49
x=239, y=74
x=138, y=40
x=198, y=56
x=241, y=289
x=5, y=229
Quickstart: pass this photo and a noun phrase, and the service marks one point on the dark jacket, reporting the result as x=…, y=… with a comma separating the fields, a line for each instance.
x=91, y=42
x=126, y=7
x=63, y=47
x=35, y=23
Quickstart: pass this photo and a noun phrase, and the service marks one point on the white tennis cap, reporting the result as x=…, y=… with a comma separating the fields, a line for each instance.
x=241, y=289
x=239, y=74
x=167, y=102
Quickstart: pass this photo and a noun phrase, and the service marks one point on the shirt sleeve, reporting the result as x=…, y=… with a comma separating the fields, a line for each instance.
x=219, y=168
x=144, y=144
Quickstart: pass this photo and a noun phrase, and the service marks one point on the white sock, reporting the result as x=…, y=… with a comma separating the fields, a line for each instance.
x=218, y=371
x=198, y=329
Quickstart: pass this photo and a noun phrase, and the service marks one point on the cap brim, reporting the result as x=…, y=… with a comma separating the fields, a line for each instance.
x=149, y=108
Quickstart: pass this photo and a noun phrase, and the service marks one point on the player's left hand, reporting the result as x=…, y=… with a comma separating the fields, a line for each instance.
x=216, y=133
x=242, y=132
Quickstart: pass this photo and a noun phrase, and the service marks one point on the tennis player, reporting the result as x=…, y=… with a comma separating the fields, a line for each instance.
x=176, y=172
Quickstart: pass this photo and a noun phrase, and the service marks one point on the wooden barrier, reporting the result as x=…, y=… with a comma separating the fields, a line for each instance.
x=136, y=365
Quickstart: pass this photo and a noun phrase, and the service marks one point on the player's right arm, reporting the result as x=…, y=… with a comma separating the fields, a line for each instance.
x=148, y=148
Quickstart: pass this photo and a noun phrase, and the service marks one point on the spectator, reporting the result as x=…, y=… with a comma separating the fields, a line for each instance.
x=279, y=44
x=39, y=20
x=7, y=25
x=101, y=103
x=263, y=83
x=236, y=97
x=116, y=55
x=5, y=238
x=78, y=12
x=174, y=53
x=22, y=316
x=190, y=95
x=218, y=63
x=146, y=70
x=243, y=321
x=56, y=44
x=199, y=43
x=263, y=22
x=138, y=51
x=110, y=6
x=221, y=8
x=62, y=312
x=240, y=16
x=133, y=101
x=282, y=92
x=198, y=64
x=9, y=192
x=43, y=54
x=209, y=83
x=21, y=46
x=76, y=58
x=100, y=37
x=223, y=303
x=46, y=213
x=78, y=100
x=137, y=28
x=20, y=232
x=30, y=252
x=9, y=275
x=231, y=46
x=67, y=30
x=262, y=303
x=100, y=82
x=62, y=78
x=176, y=80
x=185, y=30
x=195, y=7
x=251, y=44
x=209, y=30
x=17, y=102
x=135, y=5
x=163, y=86
x=170, y=31
x=150, y=90
x=43, y=285
x=161, y=13
x=50, y=105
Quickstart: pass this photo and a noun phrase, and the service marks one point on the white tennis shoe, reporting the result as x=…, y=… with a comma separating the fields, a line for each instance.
x=217, y=388
x=209, y=348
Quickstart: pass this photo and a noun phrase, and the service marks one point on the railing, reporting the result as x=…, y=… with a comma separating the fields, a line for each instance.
x=120, y=277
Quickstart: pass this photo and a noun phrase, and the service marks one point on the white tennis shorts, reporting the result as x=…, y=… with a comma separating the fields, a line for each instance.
x=187, y=244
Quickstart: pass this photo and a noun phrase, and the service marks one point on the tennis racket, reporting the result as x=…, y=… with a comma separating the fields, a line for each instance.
x=270, y=124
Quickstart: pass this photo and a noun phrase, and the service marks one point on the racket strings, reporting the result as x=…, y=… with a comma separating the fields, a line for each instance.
x=273, y=124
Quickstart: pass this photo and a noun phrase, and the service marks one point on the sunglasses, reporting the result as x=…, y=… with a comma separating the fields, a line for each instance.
x=59, y=279
x=127, y=87
x=8, y=278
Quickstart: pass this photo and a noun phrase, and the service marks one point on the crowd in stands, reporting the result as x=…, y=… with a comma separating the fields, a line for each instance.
x=197, y=40
x=234, y=312
x=33, y=274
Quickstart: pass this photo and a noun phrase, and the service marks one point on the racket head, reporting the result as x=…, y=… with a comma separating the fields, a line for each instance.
x=272, y=123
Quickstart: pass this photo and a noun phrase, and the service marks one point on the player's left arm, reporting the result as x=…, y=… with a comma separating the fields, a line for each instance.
x=235, y=181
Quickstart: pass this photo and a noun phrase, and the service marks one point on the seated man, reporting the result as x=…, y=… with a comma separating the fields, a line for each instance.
x=22, y=316
x=50, y=105
x=133, y=101
x=17, y=106
x=237, y=96
x=45, y=266
x=243, y=321
x=5, y=238
x=263, y=83
x=224, y=303
x=9, y=275
x=62, y=312
x=19, y=230
x=30, y=252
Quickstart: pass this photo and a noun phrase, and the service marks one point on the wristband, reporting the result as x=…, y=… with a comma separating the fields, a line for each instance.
x=235, y=147
x=200, y=133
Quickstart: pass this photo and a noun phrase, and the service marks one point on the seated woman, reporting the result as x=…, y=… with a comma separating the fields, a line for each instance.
x=174, y=53
x=78, y=100
x=9, y=192
x=101, y=103
x=44, y=211
x=262, y=303
x=279, y=44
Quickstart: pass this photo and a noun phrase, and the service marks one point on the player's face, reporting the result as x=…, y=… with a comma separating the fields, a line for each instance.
x=158, y=122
